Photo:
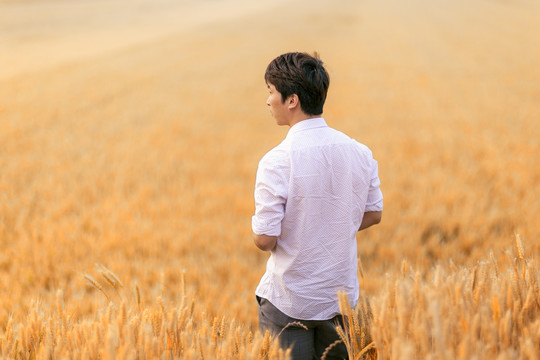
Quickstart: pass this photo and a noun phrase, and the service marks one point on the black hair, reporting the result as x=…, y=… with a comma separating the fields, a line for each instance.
x=301, y=74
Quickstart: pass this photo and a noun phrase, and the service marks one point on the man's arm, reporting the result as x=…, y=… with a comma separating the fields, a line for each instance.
x=271, y=191
x=370, y=218
x=265, y=242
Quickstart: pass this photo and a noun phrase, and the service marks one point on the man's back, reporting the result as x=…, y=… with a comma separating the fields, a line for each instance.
x=325, y=179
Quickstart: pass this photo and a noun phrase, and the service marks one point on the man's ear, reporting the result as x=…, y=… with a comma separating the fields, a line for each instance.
x=293, y=101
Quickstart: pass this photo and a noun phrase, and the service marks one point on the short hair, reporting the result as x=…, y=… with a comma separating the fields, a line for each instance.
x=301, y=74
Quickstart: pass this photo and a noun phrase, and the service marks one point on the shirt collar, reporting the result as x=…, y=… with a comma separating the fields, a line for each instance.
x=306, y=125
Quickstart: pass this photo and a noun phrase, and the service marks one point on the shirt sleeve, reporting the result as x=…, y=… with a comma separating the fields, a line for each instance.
x=375, y=198
x=270, y=196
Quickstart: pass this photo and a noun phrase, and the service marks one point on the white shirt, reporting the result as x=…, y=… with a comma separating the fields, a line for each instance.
x=311, y=192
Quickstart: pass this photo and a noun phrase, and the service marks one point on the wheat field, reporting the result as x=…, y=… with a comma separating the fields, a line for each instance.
x=130, y=133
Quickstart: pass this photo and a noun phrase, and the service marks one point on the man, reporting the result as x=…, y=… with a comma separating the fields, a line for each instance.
x=313, y=193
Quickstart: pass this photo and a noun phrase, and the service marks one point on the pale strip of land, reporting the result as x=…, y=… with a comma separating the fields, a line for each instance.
x=36, y=35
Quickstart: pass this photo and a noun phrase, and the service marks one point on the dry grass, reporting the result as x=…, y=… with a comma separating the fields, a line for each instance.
x=124, y=330
x=485, y=311
x=141, y=159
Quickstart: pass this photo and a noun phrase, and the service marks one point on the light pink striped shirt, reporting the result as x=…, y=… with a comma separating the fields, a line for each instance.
x=311, y=192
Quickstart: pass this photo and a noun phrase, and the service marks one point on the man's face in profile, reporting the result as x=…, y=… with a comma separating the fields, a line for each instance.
x=278, y=107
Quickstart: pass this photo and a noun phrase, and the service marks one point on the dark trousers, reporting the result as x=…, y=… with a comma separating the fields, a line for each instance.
x=308, y=339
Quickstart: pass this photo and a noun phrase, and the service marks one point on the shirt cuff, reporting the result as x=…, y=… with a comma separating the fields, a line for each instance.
x=378, y=206
x=264, y=228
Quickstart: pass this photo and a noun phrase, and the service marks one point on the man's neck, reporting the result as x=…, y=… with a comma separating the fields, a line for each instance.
x=300, y=118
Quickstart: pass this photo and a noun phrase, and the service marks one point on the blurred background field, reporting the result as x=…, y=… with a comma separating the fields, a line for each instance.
x=130, y=133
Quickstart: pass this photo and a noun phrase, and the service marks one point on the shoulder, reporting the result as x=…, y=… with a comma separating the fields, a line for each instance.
x=276, y=157
x=361, y=152
x=355, y=144
x=363, y=148
x=273, y=169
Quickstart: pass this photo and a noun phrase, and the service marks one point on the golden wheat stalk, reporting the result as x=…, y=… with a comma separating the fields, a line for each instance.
x=96, y=284
x=519, y=247
x=293, y=324
x=109, y=275
x=329, y=348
